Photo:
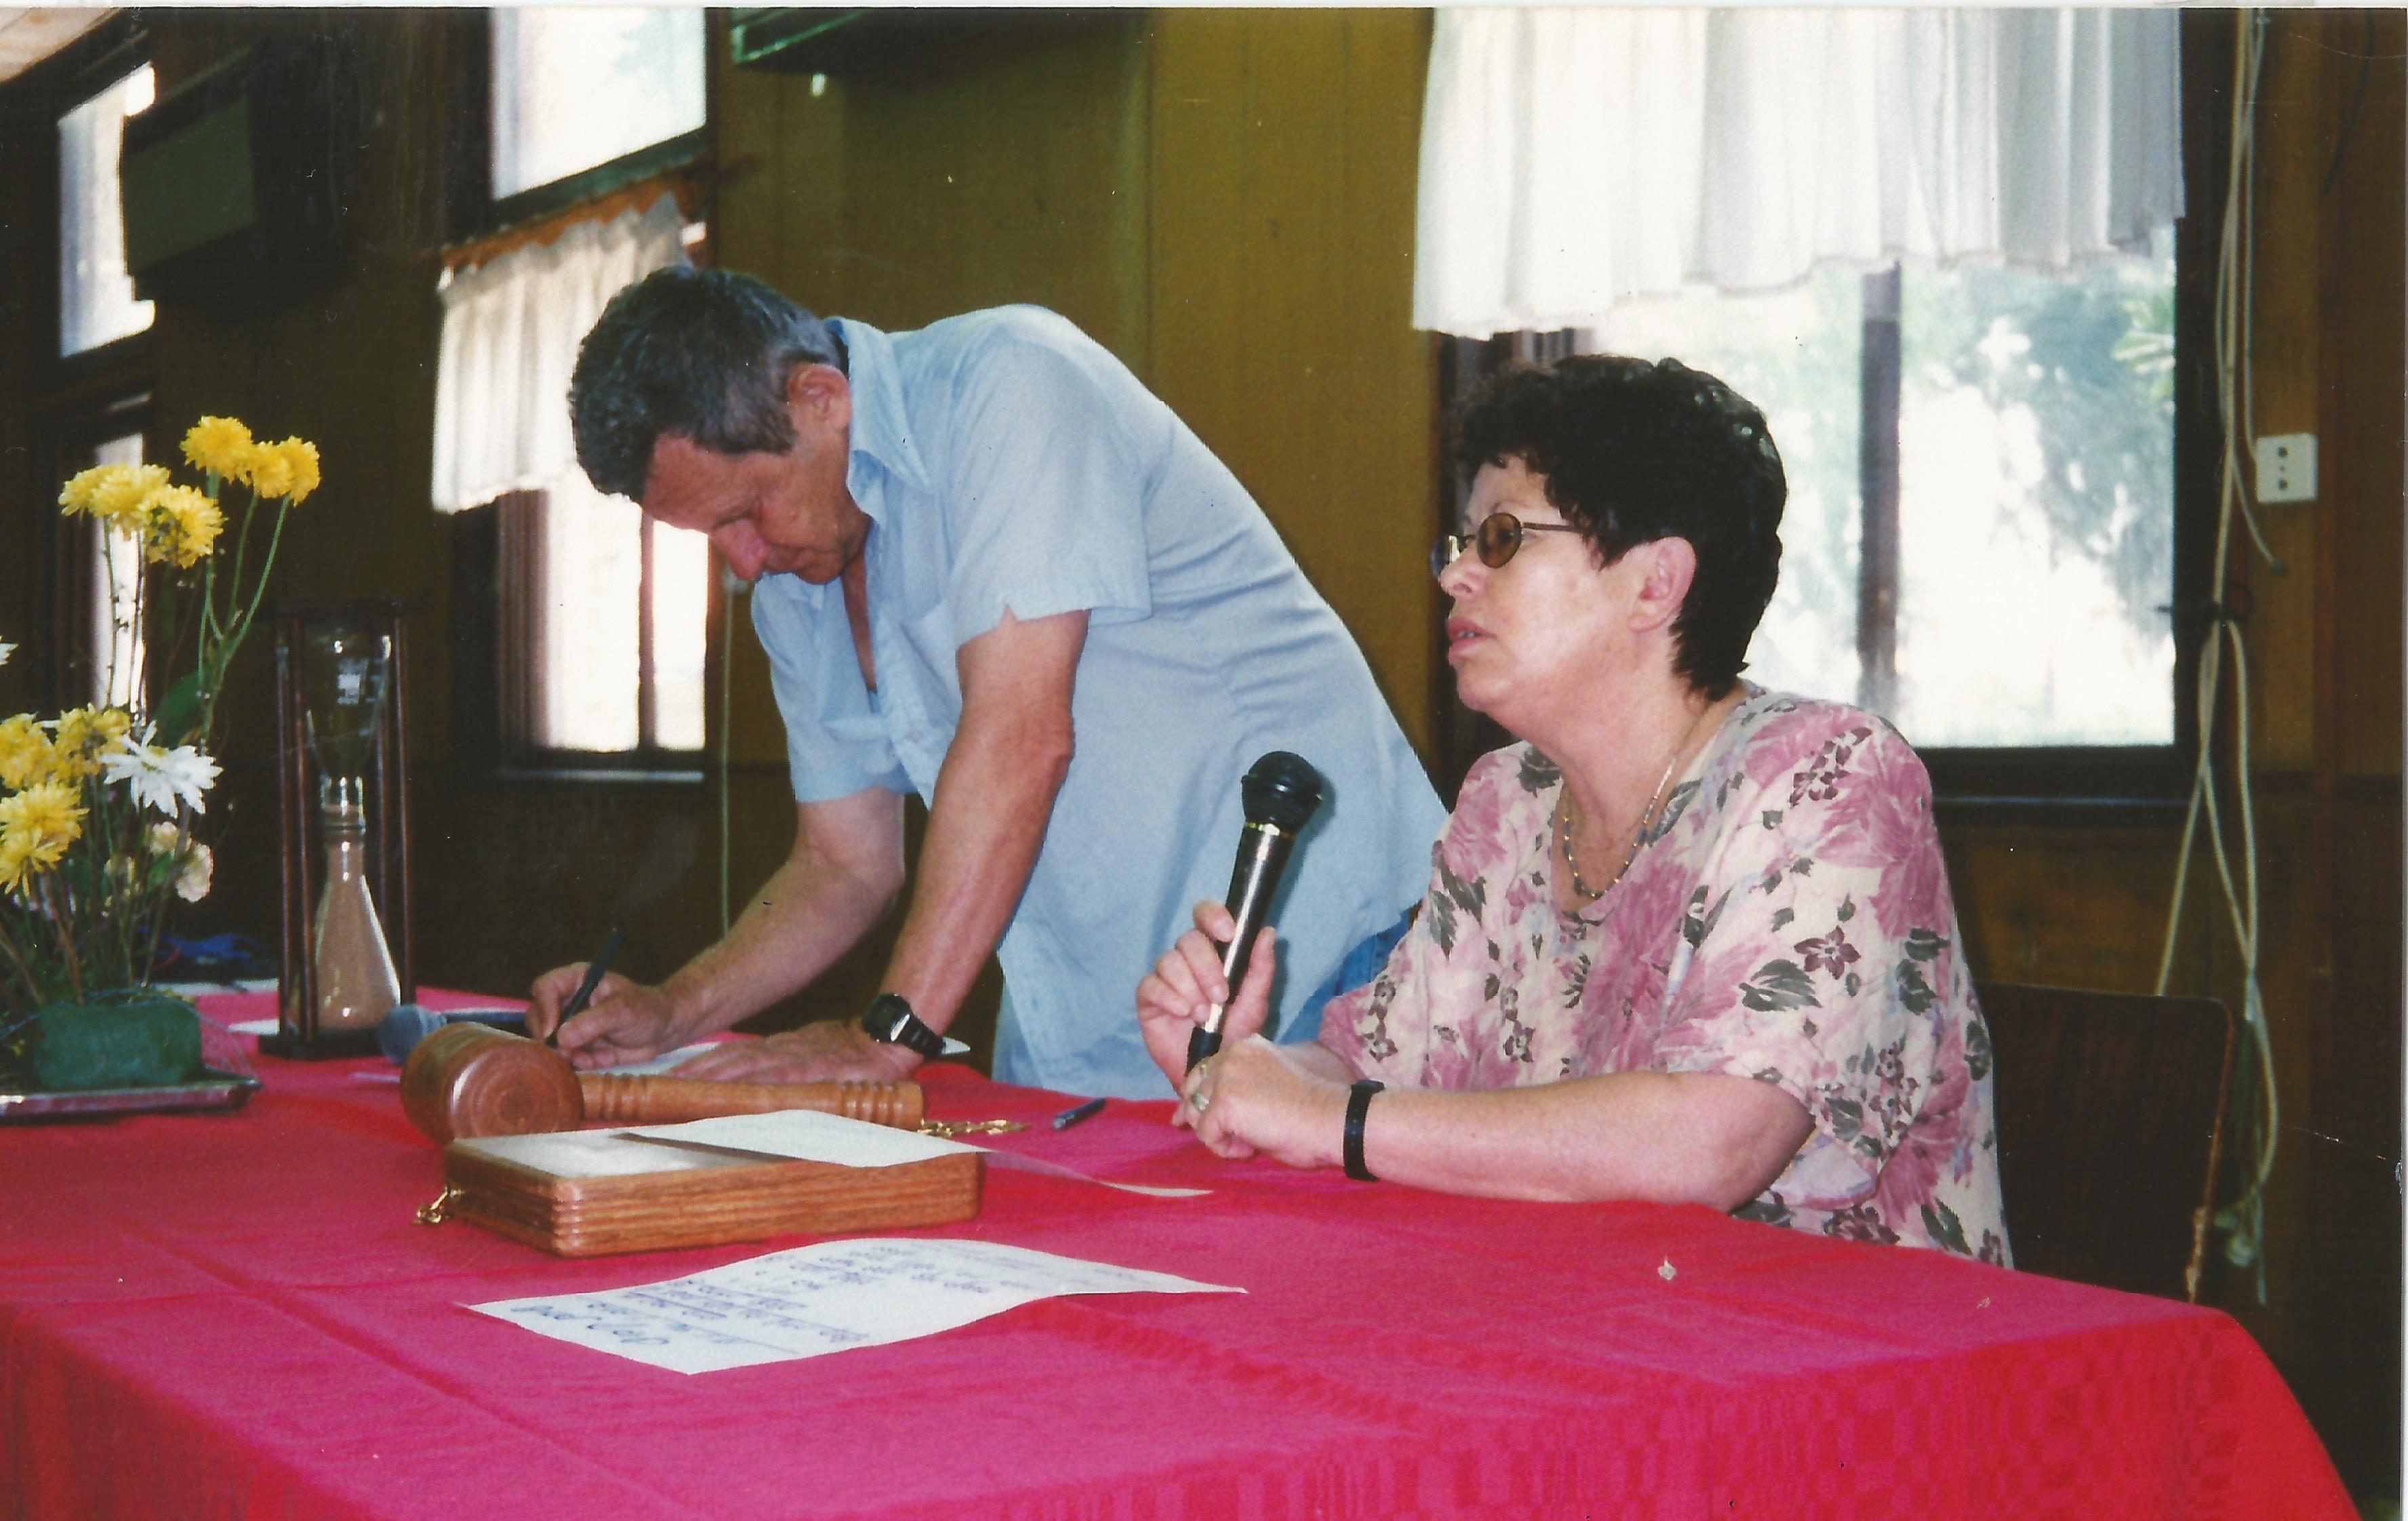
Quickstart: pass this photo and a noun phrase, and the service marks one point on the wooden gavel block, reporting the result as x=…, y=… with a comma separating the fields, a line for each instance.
x=472, y=1080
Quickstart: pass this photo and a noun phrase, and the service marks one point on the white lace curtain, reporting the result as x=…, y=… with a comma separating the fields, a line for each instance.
x=1575, y=159
x=510, y=331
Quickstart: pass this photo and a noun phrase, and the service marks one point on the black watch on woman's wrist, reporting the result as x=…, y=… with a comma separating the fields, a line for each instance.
x=891, y=1021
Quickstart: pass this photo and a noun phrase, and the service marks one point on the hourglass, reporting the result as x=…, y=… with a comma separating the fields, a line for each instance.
x=339, y=705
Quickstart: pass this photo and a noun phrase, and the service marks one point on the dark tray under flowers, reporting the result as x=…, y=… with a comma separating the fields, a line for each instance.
x=226, y=1083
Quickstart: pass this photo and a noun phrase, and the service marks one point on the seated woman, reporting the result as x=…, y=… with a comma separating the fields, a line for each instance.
x=1691, y=941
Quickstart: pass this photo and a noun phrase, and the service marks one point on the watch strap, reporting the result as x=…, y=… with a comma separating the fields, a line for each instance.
x=891, y=1020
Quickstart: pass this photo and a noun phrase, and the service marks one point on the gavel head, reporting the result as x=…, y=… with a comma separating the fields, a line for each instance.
x=472, y=1080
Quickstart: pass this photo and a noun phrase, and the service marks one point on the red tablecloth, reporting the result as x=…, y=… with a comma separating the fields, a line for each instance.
x=235, y=1315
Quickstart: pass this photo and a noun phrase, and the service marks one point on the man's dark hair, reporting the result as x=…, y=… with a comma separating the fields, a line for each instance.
x=703, y=354
x=1632, y=452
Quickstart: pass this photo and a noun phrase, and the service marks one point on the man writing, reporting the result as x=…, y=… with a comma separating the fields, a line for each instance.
x=991, y=568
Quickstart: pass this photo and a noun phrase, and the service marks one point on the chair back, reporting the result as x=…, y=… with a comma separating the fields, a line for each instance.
x=2111, y=1122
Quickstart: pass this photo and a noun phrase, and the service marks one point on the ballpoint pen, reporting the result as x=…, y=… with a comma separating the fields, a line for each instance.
x=593, y=972
x=1076, y=1113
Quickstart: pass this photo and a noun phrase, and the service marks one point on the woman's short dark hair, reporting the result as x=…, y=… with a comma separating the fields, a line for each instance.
x=703, y=354
x=1633, y=451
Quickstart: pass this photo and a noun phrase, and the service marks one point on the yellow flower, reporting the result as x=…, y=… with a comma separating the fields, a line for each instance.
x=271, y=470
x=85, y=734
x=221, y=444
x=121, y=500
x=36, y=826
x=181, y=526
x=25, y=751
x=12, y=863
x=289, y=469
x=78, y=494
x=113, y=492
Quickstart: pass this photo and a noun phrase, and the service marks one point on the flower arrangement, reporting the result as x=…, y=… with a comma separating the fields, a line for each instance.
x=97, y=805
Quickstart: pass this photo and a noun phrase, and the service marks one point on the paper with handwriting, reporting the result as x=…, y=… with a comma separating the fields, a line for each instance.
x=826, y=1298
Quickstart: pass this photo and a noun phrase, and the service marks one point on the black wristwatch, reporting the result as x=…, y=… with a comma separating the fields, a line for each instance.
x=891, y=1020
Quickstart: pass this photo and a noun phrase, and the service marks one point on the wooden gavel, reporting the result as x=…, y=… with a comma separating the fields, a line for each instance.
x=472, y=1080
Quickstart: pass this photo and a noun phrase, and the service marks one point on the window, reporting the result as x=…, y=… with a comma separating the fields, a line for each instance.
x=96, y=303
x=1979, y=540
x=1955, y=295
x=575, y=88
x=583, y=120
x=590, y=678
x=116, y=596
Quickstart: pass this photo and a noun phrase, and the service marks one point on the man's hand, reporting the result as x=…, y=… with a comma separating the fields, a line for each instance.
x=626, y=1021
x=1176, y=997
x=826, y=1048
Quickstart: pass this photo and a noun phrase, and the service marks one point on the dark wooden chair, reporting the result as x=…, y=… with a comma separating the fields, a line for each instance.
x=2111, y=1121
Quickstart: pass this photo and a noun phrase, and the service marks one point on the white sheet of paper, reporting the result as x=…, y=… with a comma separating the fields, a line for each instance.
x=806, y=1134
x=663, y=1062
x=821, y=1298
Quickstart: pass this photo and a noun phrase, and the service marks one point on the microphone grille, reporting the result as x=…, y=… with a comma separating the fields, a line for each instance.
x=1281, y=789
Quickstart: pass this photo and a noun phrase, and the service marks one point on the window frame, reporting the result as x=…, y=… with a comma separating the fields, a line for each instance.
x=83, y=399
x=472, y=211
x=495, y=564
x=2035, y=783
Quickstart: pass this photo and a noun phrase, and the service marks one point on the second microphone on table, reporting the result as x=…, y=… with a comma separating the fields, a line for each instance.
x=1281, y=791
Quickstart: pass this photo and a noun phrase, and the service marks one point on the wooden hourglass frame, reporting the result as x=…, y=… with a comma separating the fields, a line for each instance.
x=387, y=822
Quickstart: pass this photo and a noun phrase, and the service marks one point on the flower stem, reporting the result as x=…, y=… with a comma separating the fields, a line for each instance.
x=24, y=973
x=59, y=917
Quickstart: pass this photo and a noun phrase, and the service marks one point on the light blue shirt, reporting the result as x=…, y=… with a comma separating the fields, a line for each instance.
x=1007, y=460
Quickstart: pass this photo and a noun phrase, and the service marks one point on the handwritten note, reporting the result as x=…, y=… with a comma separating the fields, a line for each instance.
x=821, y=1298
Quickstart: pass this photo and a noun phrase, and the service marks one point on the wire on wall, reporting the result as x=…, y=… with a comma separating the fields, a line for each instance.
x=2243, y=1221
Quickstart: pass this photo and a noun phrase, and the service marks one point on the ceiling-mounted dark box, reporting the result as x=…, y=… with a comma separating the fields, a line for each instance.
x=236, y=183
x=789, y=40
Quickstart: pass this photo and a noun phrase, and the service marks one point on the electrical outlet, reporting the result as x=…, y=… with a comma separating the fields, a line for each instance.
x=2286, y=467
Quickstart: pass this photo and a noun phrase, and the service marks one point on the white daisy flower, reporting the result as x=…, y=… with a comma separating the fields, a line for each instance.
x=7, y=649
x=160, y=777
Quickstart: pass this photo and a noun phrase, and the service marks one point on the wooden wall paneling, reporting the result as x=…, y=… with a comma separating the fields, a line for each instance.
x=1990, y=873
x=2284, y=342
x=2345, y=1347
x=1288, y=260
x=2360, y=413
x=1284, y=186
x=1196, y=85
x=988, y=174
x=26, y=215
x=1385, y=367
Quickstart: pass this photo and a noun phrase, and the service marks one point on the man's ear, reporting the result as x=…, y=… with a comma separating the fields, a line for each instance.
x=1667, y=572
x=819, y=394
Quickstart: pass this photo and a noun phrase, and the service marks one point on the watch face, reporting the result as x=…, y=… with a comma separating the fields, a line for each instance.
x=891, y=1020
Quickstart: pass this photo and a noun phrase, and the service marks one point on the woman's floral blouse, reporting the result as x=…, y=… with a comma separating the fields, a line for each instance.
x=1787, y=919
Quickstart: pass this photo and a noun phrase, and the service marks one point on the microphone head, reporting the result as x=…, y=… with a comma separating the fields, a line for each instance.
x=1280, y=790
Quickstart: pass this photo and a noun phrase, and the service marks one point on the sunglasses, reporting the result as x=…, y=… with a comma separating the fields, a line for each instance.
x=1498, y=539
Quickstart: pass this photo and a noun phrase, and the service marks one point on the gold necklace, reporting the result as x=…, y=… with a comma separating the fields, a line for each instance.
x=1564, y=822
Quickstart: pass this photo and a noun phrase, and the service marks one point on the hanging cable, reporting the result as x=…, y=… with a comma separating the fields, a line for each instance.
x=2243, y=1221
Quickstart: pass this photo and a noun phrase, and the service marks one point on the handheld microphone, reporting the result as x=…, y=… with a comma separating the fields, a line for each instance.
x=1281, y=793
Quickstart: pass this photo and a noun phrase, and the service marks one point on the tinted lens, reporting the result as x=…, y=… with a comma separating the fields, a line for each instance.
x=1444, y=552
x=1500, y=534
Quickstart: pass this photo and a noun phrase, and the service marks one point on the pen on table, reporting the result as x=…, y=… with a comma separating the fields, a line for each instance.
x=1076, y=1113
x=593, y=970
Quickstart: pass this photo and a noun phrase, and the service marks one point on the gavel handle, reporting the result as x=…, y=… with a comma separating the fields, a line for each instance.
x=621, y=1099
